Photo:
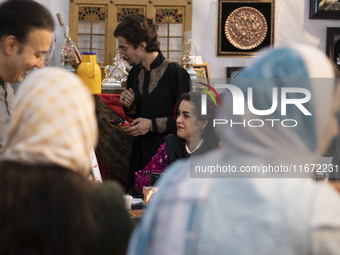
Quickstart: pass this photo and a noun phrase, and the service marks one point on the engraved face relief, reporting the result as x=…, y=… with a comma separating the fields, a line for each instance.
x=246, y=28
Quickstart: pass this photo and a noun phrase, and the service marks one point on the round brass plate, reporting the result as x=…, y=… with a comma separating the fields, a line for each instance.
x=246, y=28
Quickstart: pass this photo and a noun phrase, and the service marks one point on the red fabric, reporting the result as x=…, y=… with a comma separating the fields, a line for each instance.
x=112, y=101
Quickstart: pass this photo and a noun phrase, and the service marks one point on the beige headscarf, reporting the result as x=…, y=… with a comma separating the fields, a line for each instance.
x=53, y=122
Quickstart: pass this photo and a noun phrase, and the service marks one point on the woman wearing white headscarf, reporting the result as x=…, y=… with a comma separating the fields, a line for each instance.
x=47, y=204
x=270, y=213
x=53, y=122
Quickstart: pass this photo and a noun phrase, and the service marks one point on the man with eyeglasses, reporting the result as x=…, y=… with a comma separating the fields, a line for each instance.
x=26, y=32
x=153, y=87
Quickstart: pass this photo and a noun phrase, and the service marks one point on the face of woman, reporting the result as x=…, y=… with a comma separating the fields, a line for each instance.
x=187, y=123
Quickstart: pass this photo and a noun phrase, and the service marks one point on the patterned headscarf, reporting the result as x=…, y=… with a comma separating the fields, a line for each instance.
x=53, y=122
x=297, y=66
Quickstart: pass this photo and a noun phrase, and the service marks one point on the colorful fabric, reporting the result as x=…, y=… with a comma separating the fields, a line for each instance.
x=157, y=165
x=173, y=149
x=53, y=121
x=114, y=145
x=112, y=101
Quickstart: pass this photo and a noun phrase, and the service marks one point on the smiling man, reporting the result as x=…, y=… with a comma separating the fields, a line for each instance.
x=26, y=32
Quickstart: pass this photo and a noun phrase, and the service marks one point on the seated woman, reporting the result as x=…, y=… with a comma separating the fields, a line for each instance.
x=194, y=136
x=47, y=203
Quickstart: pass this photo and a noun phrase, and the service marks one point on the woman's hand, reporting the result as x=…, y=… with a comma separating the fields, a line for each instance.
x=127, y=97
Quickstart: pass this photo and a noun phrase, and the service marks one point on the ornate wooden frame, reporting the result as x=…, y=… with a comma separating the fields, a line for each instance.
x=202, y=72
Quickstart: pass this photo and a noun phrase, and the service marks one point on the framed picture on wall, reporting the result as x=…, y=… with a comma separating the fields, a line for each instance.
x=202, y=72
x=244, y=27
x=333, y=44
x=232, y=72
x=324, y=9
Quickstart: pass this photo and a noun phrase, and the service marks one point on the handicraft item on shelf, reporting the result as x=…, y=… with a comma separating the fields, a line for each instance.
x=244, y=26
x=115, y=75
x=70, y=57
x=202, y=73
x=188, y=51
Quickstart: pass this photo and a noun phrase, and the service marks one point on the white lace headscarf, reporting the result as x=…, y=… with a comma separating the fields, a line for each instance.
x=53, y=122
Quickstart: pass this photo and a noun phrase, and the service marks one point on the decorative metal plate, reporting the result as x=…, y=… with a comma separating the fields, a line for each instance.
x=246, y=28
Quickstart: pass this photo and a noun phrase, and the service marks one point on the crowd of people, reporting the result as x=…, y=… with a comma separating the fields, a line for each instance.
x=260, y=213
x=49, y=205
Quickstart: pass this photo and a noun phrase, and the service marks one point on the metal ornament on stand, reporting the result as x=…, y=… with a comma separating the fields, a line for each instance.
x=116, y=75
x=188, y=51
x=70, y=57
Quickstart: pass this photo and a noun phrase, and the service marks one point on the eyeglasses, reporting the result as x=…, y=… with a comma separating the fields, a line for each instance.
x=49, y=54
x=123, y=48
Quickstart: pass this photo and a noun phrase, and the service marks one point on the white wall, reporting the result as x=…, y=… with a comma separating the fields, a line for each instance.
x=292, y=23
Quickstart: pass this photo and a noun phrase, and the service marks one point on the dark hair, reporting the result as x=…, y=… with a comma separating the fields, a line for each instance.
x=135, y=28
x=20, y=17
x=45, y=210
x=195, y=97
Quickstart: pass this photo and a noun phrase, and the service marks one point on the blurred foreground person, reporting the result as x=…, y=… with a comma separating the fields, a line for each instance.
x=258, y=212
x=47, y=203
